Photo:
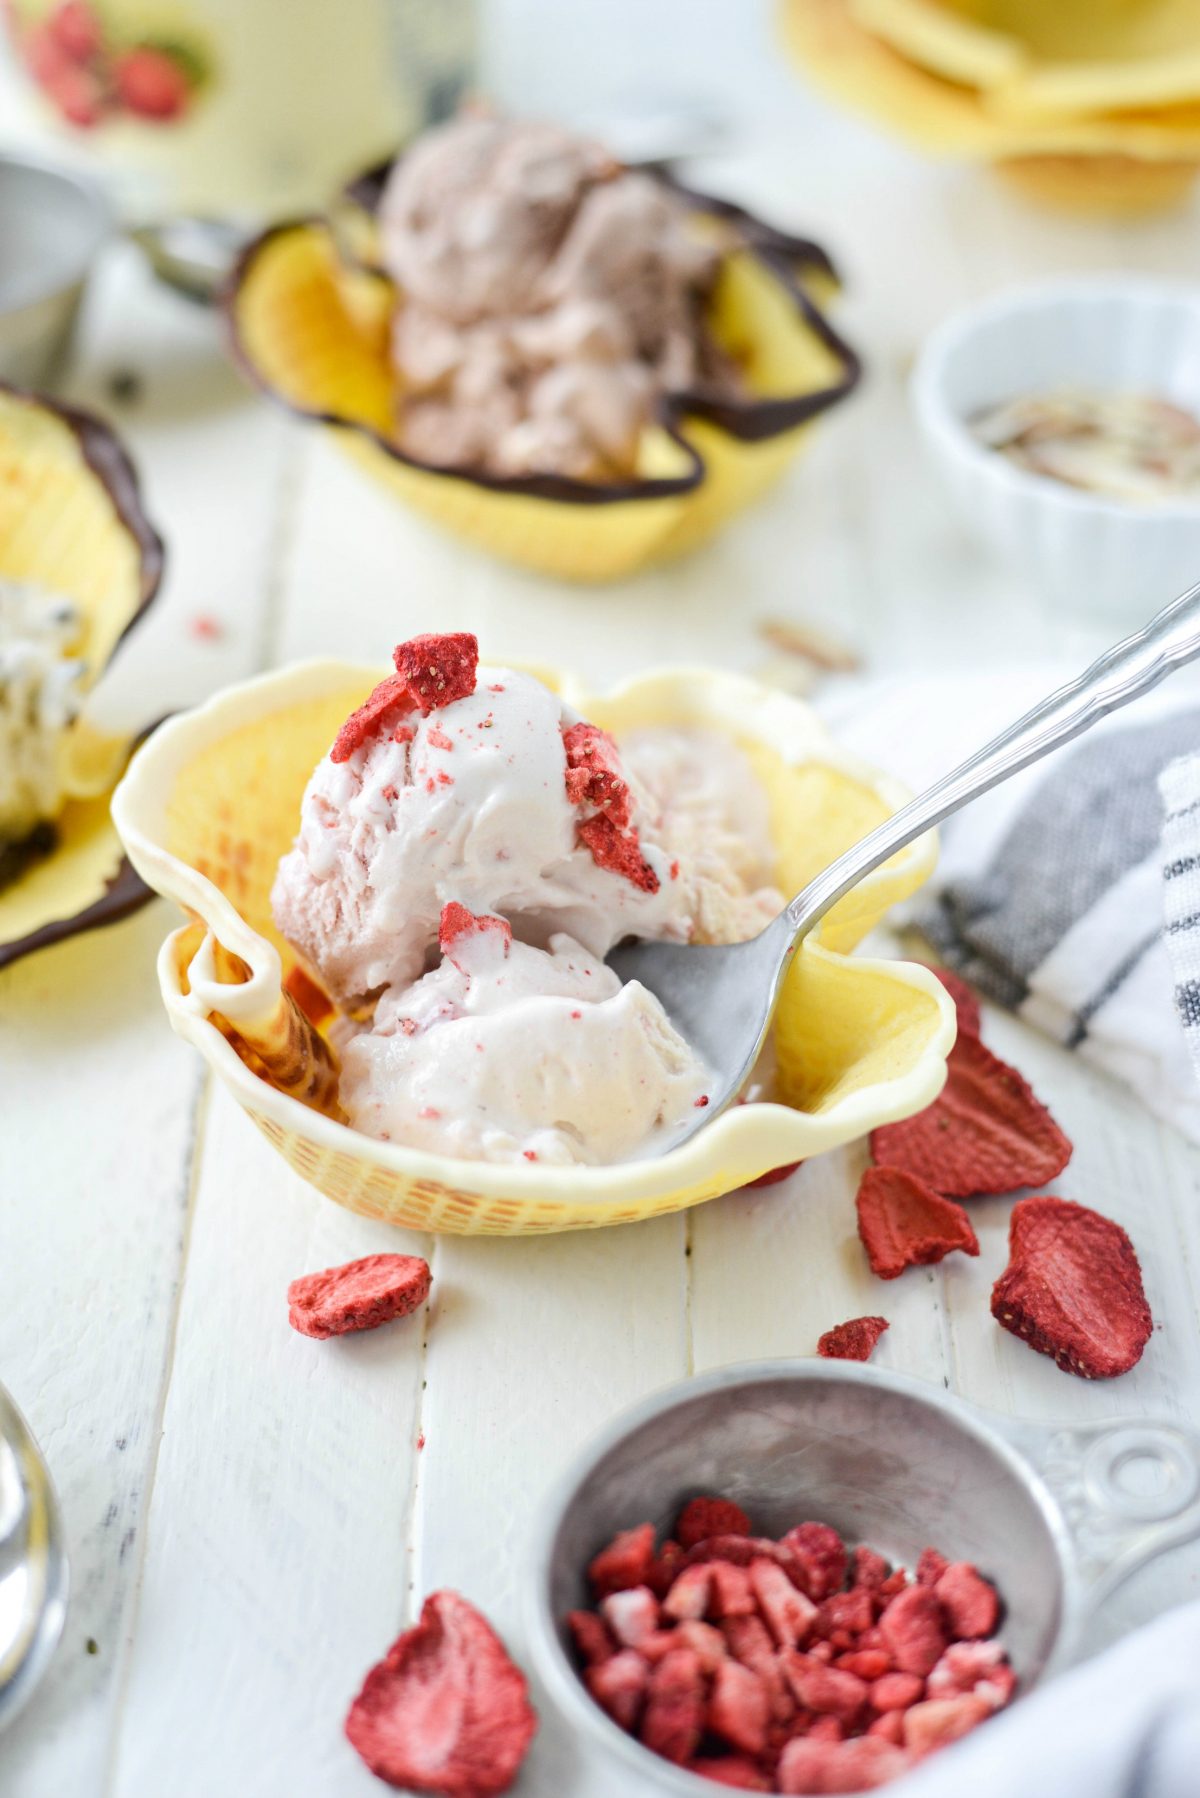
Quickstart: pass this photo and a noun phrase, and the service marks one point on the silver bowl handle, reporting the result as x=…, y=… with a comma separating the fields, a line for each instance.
x=1128, y=1489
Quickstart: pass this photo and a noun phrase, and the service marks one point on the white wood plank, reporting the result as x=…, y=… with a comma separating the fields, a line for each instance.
x=277, y=1560
x=97, y=1119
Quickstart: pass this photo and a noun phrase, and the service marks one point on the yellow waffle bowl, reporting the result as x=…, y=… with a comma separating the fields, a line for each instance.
x=71, y=520
x=212, y=801
x=309, y=323
x=1113, y=135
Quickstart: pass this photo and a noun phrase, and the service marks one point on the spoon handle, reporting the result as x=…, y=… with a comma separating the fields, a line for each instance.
x=1122, y=673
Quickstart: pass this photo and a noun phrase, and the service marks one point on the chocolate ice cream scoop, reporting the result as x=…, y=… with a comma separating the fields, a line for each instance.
x=549, y=298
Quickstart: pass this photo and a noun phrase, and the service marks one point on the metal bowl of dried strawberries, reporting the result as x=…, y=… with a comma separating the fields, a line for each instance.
x=806, y=1576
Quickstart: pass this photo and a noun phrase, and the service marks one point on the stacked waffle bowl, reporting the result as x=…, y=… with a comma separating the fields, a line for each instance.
x=1087, y=104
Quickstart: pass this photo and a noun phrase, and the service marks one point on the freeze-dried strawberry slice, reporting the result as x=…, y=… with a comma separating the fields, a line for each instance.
x=593, y=1643
x=981, y=1668
x=896, y=1691
x=625, y=1562
x=619, y=1686
x=868, y=1568
x=701, y=1518
x=889, y=1725
x=739, y=1708
x=930, y=1567
x=731, y=1591
x=674, y=1716
x=446, y=1711
x=358, y=1296
x=704, y=1639
x=913, y=1630
x=619, y=852
x=822, y=1557
x=845, y=1614
x=690, y=1593
x=852, y=1341
x=968, y=1602
x=869, y=1663
x=942, y=1720
x=388, y=703
x=631, y=1615
x=824, y=1689
x=965, y=1002
x=1073, y=1288
x=985, y=1133
x=437, y=670
x=787, y=1612
x=594, y=776
x=857, y=1766
x=732, y=1770
x=904, y=1223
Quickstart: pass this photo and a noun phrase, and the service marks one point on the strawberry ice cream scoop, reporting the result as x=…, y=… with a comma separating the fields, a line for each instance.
x=505, y=1052
x=465, y=802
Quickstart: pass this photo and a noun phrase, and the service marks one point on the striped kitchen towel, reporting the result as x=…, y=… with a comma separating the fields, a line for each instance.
x=1049, y=894
x=1179, y=784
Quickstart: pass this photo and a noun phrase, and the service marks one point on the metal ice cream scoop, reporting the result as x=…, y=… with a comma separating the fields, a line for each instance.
x=721, y=998
x=33, y=1563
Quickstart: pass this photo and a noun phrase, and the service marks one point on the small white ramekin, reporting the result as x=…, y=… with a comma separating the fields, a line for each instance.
x=1102, y=558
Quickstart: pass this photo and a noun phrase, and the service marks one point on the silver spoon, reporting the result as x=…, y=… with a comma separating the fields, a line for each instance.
x=722, y=998
x=33, y=1563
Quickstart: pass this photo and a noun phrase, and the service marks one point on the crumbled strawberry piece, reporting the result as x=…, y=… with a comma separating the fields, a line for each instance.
x=914, y=1631
x=625, y=1562
x=739, y=1708
x=437, y=738
x=594, y=776
x=904, y=1223
x=969, y=1603
x=845, y=1615
x=457, y=923
x=822, y=1557
x=593, y=1643
x=824, y=1689
x=868, y=1568
x=826, y=1729
x=705, y=1641
x=852, y=1341
x=631, y=1615
x=732, y=1770
x=702, y=1518
x=985, y=1133
x=385, y=706
x=930, y=1567
x=437, y=670
x=965, y=1003
x=1073, y=1289
x=749, y=1643
x=669, y=1560
x=361, y=1295
x=826, y=1767
x=619, y=1686
x=740, y=1551
x=896, y=1691
x=788, y=1613
x=446, y=1711
x=731, y=1593
x=940, y=1721
x=979, y=1668
x=868, y=1663
x=889, y=1725
x=674, y=1715
x=690, y=1593
x=896, y=1581
x=617, y=851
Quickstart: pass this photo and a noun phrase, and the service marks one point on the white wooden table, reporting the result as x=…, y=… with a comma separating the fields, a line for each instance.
x=252, y=1516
